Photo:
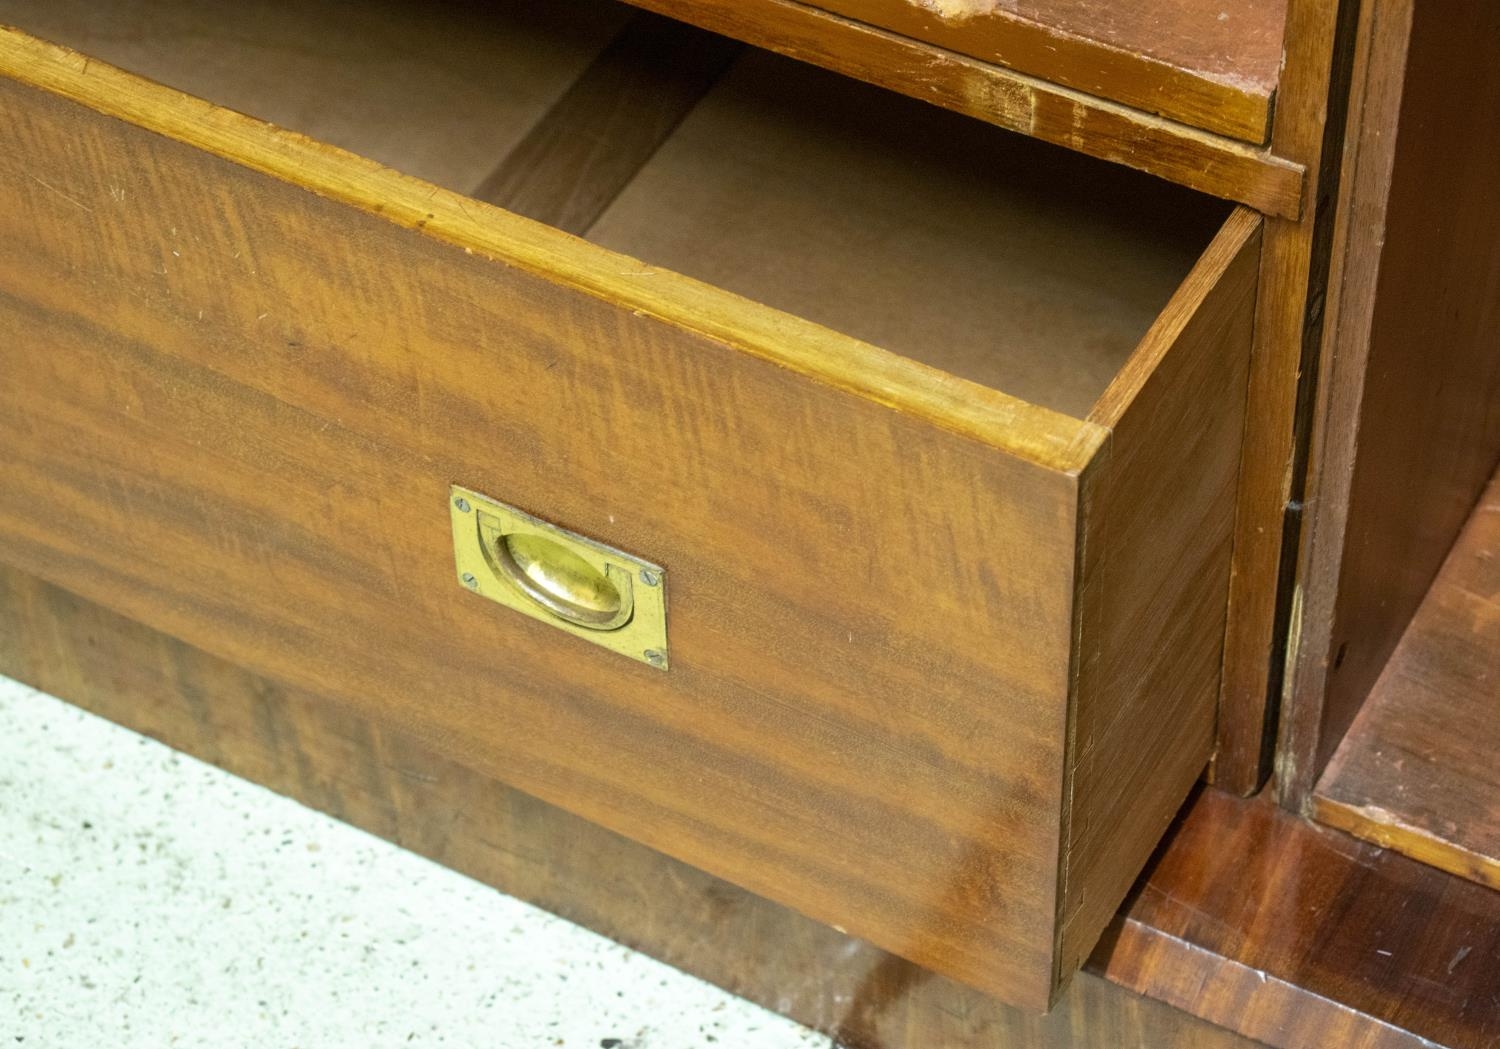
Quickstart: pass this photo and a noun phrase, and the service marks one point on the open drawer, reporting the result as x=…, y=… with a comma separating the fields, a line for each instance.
x=944, y=617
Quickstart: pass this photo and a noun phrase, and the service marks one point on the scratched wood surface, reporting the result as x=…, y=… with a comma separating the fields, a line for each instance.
x=1417, y=770
x=1225, y=167
x=1408, y=433
x=447, y=87
x=1211, y=65
x=319, y=751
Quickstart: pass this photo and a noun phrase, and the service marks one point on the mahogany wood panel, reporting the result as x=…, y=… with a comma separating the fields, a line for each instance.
x=438, y=89
x=1211, y=65
x=329, y=757
x=250, y=448
x=1409, y=432
x=1419, y=770
x=994, y=257
x=1302, y=937
x=1215, y=164
x=1310, y=107
x=610, y=121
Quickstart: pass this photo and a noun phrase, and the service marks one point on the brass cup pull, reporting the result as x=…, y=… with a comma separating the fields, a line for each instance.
x=568, y=581
x=556, y=578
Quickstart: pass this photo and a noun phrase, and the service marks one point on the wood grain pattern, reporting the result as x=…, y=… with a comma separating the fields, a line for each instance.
x=1299, y=936
x=1310, y=107
x=1155, y=563
x=1244, y=708
x=607, y=125
x=438, y=90
x=1214, y=164
x=993, y=257
x=259, y=465
x=1409, y=433
x=270, y=482
x=322, y=753
x=1210, y=65
x=1417, y=771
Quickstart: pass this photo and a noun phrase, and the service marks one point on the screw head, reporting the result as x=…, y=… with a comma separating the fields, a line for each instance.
x=470, y=581
x=656, y=657
x=462, y=504
x=649, y=577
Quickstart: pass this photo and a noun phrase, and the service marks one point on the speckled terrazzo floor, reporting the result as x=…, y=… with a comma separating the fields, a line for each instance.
x=149, y=900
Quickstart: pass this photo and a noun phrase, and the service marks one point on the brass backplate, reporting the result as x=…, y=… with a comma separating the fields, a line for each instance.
x=576, y=584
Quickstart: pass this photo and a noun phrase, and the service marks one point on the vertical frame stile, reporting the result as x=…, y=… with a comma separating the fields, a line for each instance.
x=1308, y=129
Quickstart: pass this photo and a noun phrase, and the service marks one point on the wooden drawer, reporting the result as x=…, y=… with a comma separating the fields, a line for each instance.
x=943, y=660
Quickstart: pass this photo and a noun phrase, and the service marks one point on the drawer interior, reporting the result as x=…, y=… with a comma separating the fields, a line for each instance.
x=987, y=255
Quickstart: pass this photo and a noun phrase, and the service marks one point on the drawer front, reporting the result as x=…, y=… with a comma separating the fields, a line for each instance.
x=239, y=372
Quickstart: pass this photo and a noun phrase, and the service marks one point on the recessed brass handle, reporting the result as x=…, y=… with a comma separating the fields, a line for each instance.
x=556, y=578
x=571, y=582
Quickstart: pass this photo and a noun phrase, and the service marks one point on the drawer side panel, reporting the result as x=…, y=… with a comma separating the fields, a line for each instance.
x=1158, y=513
